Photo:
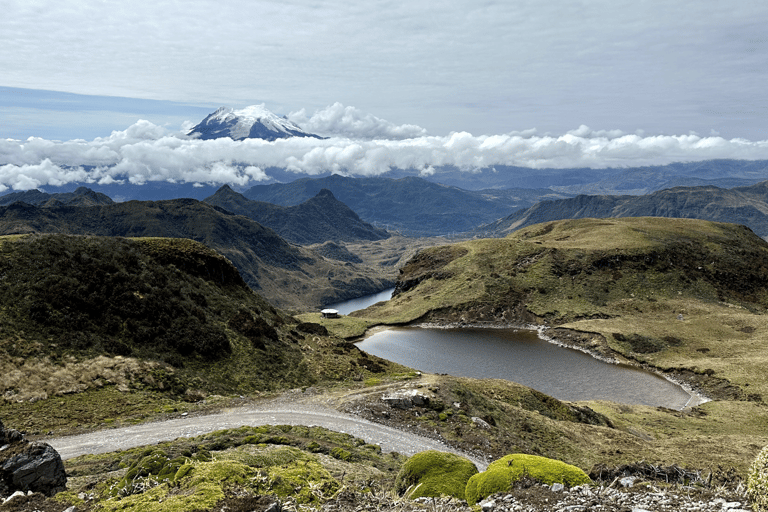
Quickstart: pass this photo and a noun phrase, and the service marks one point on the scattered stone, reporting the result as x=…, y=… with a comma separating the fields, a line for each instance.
x=481, y=423
x=488, y=505
x=406, y=399
x=628, y=481
x=14, y=495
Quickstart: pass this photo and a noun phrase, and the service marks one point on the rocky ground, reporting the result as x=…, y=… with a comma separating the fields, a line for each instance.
x=636, y=488
x=531, y=497
x=527, y=497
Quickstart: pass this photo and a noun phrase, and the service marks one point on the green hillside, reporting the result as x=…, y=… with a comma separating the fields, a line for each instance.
x=674, y=293
x=686, y=298
x=100, y=316
x=741, y=205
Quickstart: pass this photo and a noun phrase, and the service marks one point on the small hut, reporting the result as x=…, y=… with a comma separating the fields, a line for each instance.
x=329, y=313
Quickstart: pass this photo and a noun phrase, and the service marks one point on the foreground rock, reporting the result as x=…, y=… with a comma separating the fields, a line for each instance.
x=29, y=466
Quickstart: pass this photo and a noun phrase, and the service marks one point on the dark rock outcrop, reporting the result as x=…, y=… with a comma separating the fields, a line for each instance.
x=29, y=466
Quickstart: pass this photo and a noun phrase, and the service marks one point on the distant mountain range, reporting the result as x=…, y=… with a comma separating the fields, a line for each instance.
x=519, y=187
x=319, y=219
x=82, y=196
x=287, y=275
x=254, y=122
x=614, y=181
x=411, y=205
x=740, y=205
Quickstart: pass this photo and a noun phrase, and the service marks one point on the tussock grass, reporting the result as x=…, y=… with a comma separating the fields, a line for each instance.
x=38, y=379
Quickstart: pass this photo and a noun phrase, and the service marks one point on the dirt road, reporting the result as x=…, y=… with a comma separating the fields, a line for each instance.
x=390, y=439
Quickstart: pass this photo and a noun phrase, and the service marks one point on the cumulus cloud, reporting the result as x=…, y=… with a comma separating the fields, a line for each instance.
x=147, y=152
x=339, y=121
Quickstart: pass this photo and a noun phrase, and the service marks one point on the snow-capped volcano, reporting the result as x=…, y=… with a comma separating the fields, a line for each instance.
x=254, y=122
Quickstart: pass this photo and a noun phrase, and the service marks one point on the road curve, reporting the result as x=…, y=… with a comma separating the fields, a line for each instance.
x=390, y=439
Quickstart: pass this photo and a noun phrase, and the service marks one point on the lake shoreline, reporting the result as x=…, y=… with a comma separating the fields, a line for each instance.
x=697, y=397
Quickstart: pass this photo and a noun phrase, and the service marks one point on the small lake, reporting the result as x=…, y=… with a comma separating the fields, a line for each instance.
x=348, y=306
x=518, y=355
x=521, y=356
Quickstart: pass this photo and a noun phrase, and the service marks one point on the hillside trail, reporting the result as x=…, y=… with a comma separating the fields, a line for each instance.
x=295, y=407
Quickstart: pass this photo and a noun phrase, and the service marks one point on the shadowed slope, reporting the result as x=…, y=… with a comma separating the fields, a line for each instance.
x=285, y=274
x=320, y=219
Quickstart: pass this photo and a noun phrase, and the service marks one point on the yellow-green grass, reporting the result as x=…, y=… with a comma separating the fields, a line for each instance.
x=656, y=279
x=718, y=434
x=95, y=409
x=710, y=337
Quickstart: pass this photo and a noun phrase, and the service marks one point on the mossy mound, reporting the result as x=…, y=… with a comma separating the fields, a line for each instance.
x=502, y=473
x=286, y=471
x=433, y=474
x=194, y=486
x=757, y=483
x=295, y=463
x=157, y=482
x=154, y=467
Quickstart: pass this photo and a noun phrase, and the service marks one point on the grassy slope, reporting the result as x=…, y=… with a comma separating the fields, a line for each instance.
x=160, y=323
x=497, y=280
x=627, y=280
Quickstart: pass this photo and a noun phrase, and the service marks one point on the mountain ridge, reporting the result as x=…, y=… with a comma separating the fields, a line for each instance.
x=412, y=205
x=741, y=205
x=320, y=219
x=287, y=275
x=82, y=196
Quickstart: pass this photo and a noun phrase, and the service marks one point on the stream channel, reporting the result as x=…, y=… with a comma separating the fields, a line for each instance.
x=518, y=355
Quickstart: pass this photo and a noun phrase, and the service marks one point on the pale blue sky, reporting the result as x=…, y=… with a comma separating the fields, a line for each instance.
x=112, y=86
x=485, y=67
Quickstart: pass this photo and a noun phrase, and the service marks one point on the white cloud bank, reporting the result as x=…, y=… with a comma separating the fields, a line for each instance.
x=340, y=121
x=147, y=152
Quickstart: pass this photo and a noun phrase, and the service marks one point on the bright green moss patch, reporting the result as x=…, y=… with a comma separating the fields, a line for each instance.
x=432, y=473
x=287, y=471
x=502, y=473
x=198, y=486
x=152, y=468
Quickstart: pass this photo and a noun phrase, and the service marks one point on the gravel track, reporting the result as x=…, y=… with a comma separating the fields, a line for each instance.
x=390, y=439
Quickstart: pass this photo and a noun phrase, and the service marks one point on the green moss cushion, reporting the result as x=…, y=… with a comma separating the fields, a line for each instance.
x=432, y=473
x=757, y=482
x=502, y=473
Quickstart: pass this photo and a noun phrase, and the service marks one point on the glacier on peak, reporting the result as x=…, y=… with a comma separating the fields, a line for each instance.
x=252, y=122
